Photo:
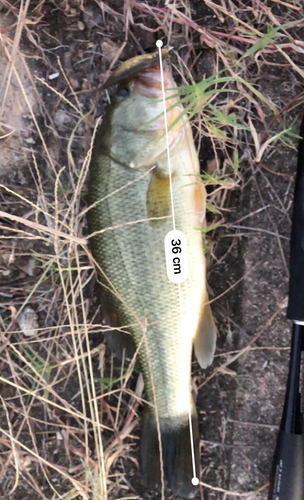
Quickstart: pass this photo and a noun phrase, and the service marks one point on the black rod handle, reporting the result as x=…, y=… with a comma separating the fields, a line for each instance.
x=295, y=309
x=287, y=474
x=287, y=477
x=292, y=412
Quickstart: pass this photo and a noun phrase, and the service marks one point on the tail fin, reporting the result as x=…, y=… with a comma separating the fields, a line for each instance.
x=177, y=454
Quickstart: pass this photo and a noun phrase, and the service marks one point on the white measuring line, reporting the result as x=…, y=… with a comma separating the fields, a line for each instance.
x=159, y=44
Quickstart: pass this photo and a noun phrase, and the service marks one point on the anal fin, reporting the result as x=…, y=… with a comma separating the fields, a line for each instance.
x=119, y=342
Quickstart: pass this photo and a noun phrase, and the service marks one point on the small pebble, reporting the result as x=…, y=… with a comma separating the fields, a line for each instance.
x=28, y=322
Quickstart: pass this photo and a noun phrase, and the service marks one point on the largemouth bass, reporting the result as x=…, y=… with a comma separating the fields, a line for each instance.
x=129, y=191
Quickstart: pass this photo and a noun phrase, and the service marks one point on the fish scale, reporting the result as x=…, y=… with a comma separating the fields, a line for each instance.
x=133, y=258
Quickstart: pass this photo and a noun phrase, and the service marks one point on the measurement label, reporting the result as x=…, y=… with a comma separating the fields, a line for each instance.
x=176, y=256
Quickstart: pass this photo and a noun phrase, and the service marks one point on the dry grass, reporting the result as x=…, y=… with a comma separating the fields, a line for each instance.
x=68, y=414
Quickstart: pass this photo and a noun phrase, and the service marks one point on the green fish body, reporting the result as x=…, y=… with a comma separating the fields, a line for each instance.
x=130, y=216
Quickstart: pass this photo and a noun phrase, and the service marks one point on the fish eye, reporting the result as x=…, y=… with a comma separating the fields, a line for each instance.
x=122, y=93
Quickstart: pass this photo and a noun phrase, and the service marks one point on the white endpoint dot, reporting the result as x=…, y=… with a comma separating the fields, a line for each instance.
x=159, y=43
x=195, y=481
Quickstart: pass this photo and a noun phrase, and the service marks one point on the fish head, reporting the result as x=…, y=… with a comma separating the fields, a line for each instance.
x=137, y=136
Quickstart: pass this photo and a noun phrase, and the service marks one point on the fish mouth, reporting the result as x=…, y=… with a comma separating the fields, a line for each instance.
x=128, y=69
x=149, y=82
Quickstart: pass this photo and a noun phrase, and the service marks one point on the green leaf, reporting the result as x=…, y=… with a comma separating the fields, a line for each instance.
x=207, y=229
x=263, y=42
x=212, y=208
x=221, y=134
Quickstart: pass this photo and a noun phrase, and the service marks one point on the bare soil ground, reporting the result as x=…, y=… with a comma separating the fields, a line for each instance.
x=68, y=413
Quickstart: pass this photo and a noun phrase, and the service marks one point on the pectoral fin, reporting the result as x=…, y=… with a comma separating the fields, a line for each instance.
x=205, y=338
x=158, y=199
x=200, y=199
